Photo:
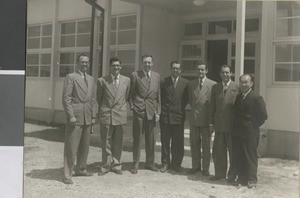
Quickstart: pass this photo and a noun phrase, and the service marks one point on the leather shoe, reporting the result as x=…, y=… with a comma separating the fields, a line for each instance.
x=177, y=169
x=215, y=178
x=152, y=168
x=83, y=174
x=101, y=173
x=205, y=173
x=116, y=171
x=251, y=185
x=193, y=171
x=67, y=181
x=134, y=171
x=164, y=169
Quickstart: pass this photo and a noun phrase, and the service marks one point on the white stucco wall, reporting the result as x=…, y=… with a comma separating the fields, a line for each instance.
x=160, y=34
x=38, y=93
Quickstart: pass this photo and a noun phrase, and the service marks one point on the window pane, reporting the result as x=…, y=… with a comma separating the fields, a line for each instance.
x=219, y=27
x=113, y=38
x=45, y=71
x=287, y=9
x=67, y=58
x=126, y=37
x=64, y=70
x=296, y=53
x=33, y=43
x=283, y=53
x=283, y=72
x=68, y=28
x=288, y=27
x=83, y=40
x=250, y=49
x=188, y=66
x=67, y=41
x=112, y=54
x=32, y=71
x=32, y=59
x=126, y=56
x=46, y=59
x=192, y=29
x=46, y=42
x=249, y=66
x=127, y=22
x=84, y=27
x=127, y=69
x=113, y=24
x=191, y=51
x=47, y=30
x=252, y=25
x=296, y=72
x=33, y=31
x=100, y=39
x=233, y=49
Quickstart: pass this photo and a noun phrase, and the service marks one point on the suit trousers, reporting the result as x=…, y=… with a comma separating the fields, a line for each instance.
x=245, y=158
x=77, y=142
x=200, y=139
x=112, y=146
x=175, y=134
x=223, y=144
x=142, y=126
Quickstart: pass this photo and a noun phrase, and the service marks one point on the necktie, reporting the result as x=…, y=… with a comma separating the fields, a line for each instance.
x=225, y=87
x=85, y=80
x=116, y=82
x=200, y=83
x=175, y=83
x=148, y=77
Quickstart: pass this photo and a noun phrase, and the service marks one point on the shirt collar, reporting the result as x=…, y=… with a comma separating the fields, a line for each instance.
x=175, y=79
x=81, y=73
x=149, y=73
x=113, y=77
x=203, y=79
x=227, y=84
x=245, y=94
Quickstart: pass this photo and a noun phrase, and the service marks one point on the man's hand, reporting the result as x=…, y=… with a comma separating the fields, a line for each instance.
x=73, y=121
x=211, y=128
x=93, y=120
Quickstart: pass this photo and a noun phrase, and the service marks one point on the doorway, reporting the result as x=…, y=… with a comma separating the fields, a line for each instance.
x=217, y=54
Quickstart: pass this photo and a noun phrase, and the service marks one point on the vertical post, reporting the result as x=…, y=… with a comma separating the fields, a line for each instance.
x=92, y=39
x=240, y=38
x=106, y=36
x=102, y=19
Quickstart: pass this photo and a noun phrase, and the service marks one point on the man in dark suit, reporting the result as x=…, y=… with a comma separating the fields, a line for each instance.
x=79, y=102
x=221, y=114
x=174, y=97
x=250, y=114
x=199, y=91
x=145, y=103
x=112, y=95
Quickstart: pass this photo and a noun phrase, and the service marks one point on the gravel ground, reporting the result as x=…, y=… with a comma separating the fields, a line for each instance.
x=43, y=161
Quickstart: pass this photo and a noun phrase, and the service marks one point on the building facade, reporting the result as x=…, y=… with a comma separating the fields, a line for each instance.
x=188, y=31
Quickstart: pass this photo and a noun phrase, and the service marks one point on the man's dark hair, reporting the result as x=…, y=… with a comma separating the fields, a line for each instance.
x=80, y=55
x=175, y=62
x=201, y=63
x=114, y=59
x=147, y=55
x=226, y=66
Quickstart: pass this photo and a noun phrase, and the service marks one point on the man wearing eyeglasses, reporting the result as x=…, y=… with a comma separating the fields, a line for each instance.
x=112, y=95
x=174, y=97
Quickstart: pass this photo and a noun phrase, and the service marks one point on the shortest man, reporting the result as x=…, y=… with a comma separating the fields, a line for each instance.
x=112, y=95
x=251, y=113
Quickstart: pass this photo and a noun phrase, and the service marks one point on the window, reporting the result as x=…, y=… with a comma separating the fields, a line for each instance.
x=287, y=42
x=191, y=53
x=68, y=62
x=39, y=46
x=220, y=27
x=74, y=40
x=251, y=25
x=38, y=64
x=122, y=41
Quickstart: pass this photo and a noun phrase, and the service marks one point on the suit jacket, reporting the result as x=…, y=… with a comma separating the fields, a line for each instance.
x=221, y=111
x=250, y=114
x=145, y=95
x=112, y=101
x=173, y=101
x=79, y=99
x=199, y=101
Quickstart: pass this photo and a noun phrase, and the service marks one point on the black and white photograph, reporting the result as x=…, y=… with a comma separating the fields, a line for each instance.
x=158, y=98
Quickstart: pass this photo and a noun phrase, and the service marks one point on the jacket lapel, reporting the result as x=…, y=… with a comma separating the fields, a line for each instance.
x=80, y=82
x=110, y=85
x=143, y=80
x=121, y=89
x=169, y=85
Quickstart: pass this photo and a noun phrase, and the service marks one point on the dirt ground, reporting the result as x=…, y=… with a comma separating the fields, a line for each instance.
x=43, y=173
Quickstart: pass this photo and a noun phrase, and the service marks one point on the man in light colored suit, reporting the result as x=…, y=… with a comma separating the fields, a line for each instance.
x=145, y=103
x=221, y=120
x=199, y=95
x=79, y=102
x=174, y=97
x=112, y=95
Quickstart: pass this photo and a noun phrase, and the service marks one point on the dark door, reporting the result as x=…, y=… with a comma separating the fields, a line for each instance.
x=217, y=53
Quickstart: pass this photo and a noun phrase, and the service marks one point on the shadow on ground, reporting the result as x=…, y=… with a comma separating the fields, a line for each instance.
x=55, y=174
